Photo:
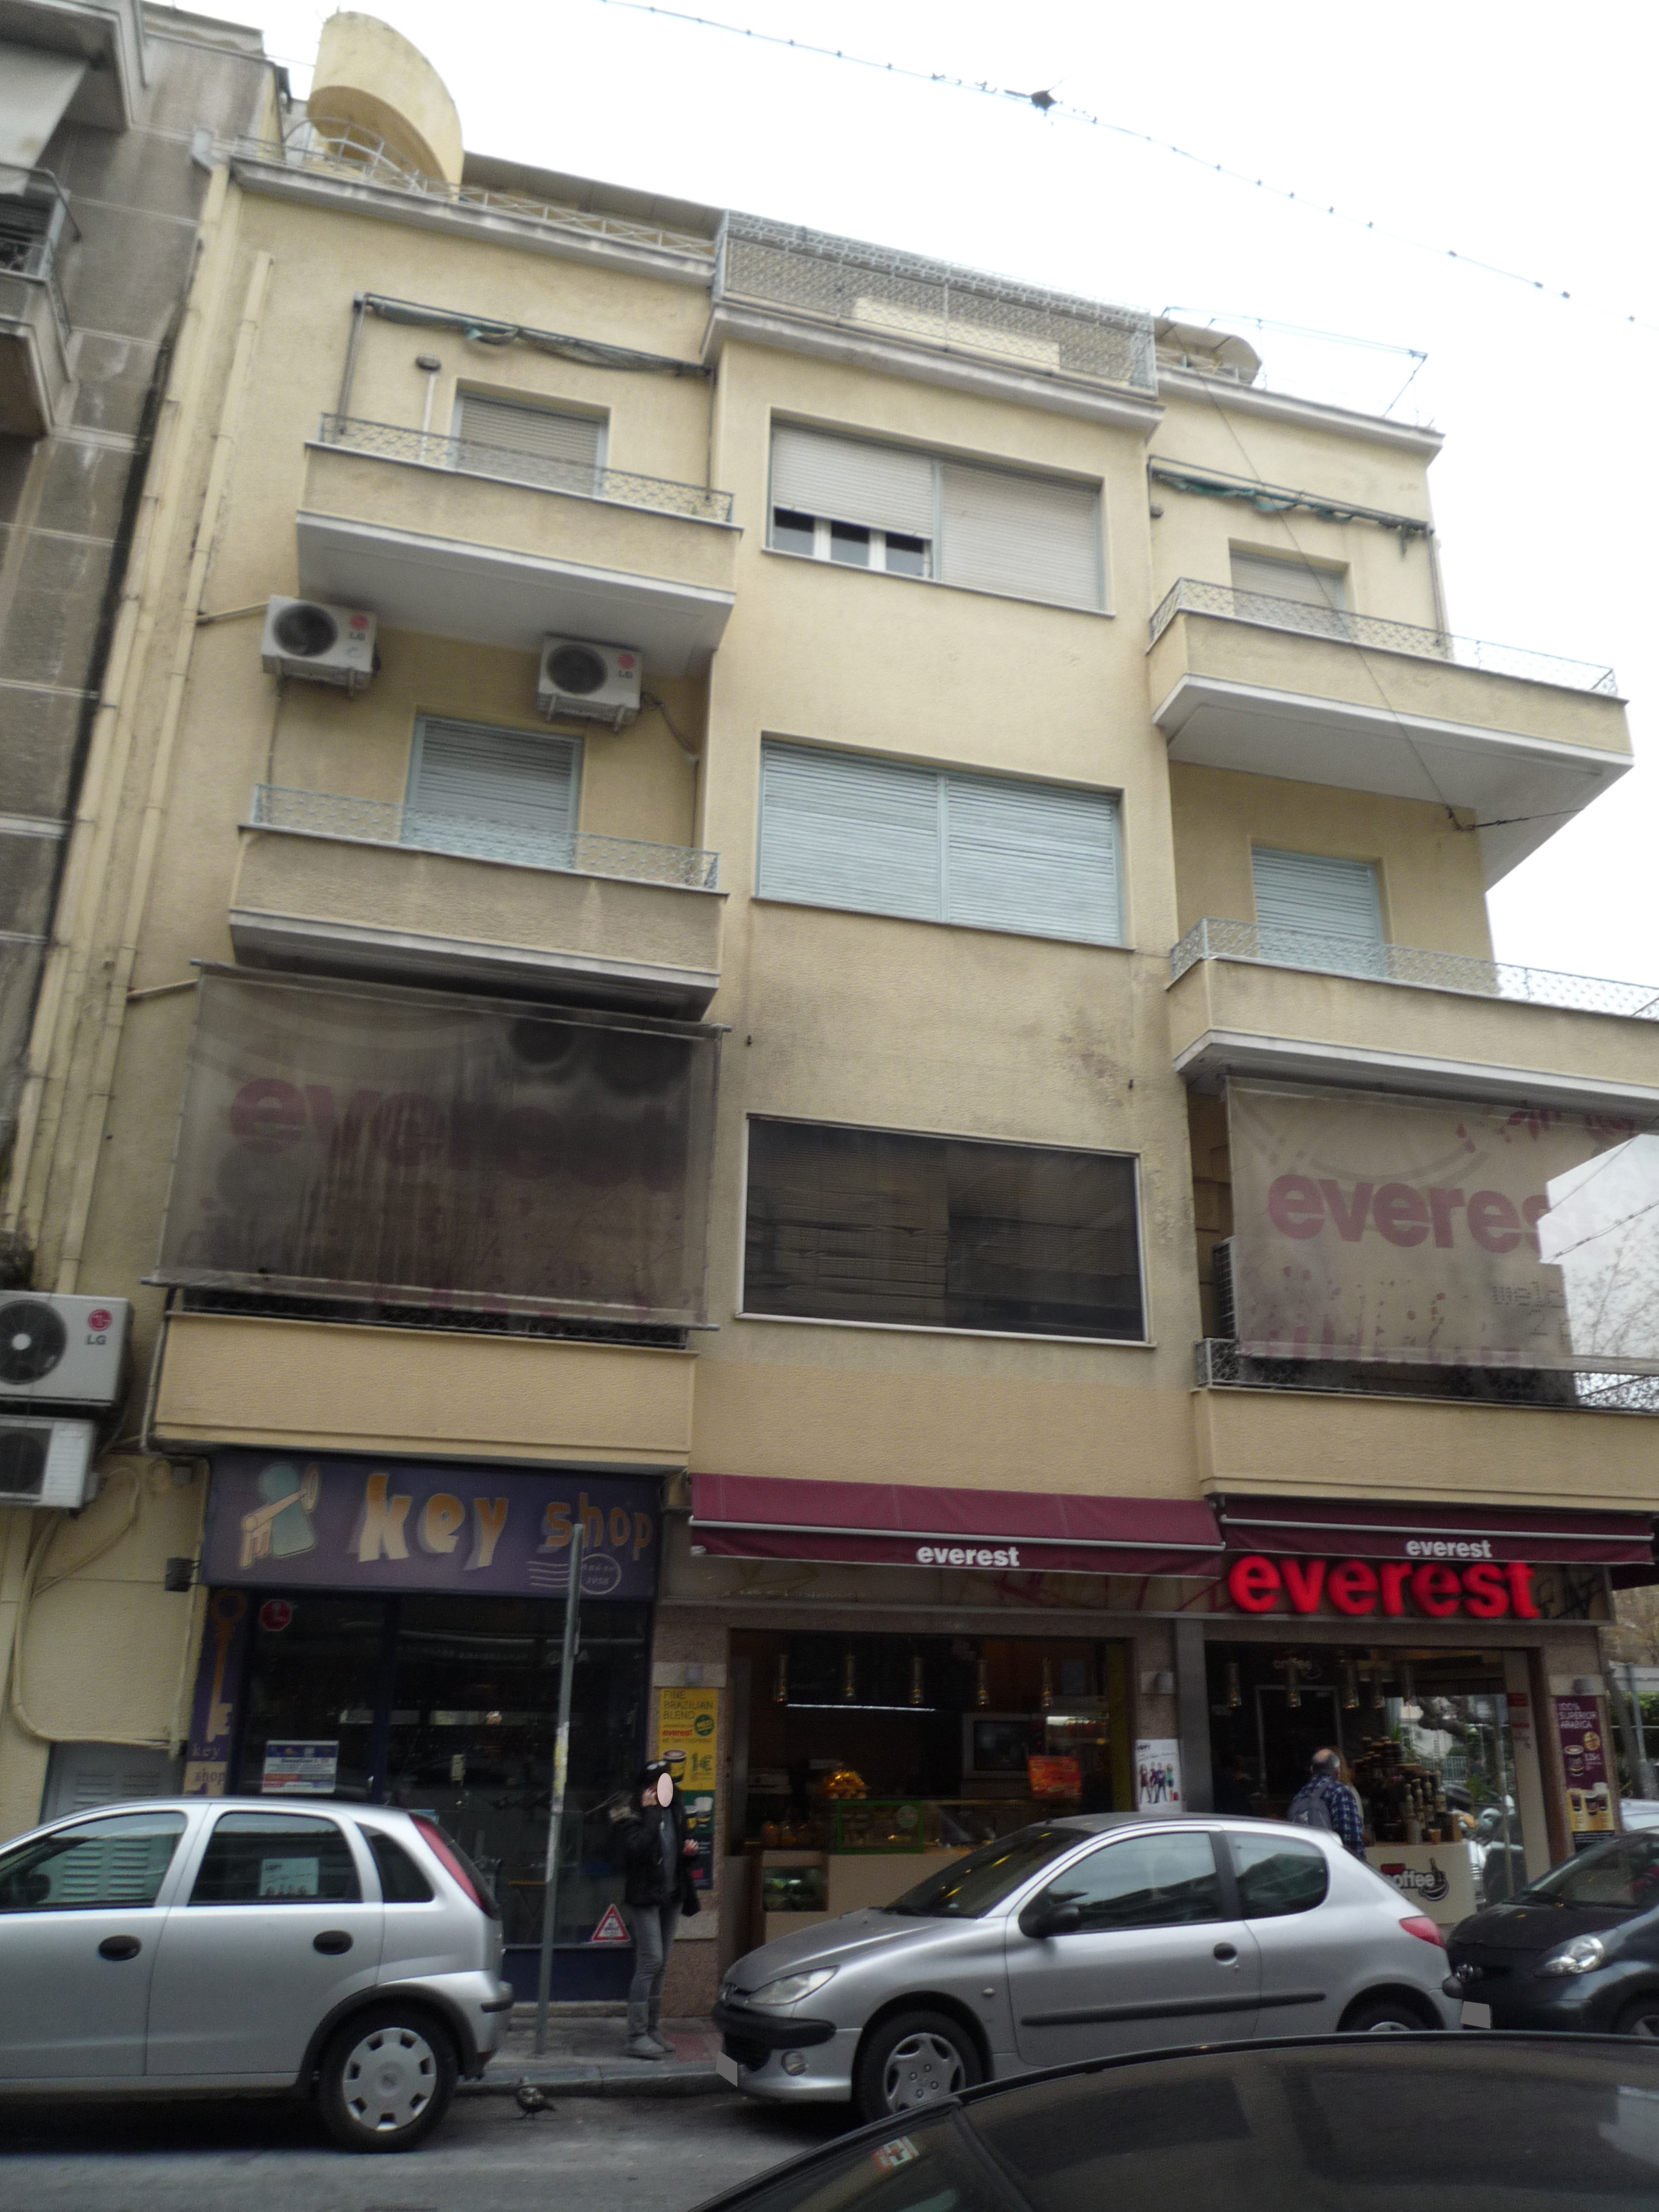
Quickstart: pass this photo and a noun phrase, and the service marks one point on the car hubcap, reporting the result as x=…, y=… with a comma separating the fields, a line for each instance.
x=389, y=2080
x=921, y=2069
x=1390, y=2027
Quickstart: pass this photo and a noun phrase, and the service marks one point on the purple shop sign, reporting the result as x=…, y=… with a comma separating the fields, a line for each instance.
x=312, y=1521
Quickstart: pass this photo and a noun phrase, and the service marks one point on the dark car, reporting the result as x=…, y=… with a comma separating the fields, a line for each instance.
x=1329, y=2123
x=1575, y=1953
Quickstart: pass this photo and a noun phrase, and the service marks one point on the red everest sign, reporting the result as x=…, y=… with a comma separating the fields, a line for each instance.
x=1484, y=1591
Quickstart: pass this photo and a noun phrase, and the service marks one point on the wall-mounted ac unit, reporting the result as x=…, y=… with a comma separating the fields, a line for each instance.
x=597, y=682
x=322, y=644
x=56, y=1351
x=45, y=1462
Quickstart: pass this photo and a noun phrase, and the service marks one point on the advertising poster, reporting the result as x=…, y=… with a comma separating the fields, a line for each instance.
x=1053, y=1776
x=300, y=1770
x=1584, y=1757
x=1158, y=1775
x=689, y=1725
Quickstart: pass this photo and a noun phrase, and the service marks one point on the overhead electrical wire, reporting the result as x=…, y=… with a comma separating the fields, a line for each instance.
x=1052, y=108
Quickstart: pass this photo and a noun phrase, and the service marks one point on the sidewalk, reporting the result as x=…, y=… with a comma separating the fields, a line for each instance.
x=584, y=2057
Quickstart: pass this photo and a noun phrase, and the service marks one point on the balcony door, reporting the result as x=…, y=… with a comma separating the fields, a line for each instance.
x=1290, y=594
x=494, y=794
x=1315, y=912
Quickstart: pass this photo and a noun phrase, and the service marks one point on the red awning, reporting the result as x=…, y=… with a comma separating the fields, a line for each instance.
x=1328, y=1528
x=880, y=1524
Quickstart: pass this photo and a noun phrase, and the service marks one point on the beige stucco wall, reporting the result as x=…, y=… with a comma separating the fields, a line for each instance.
x=1429, y=870
x=370, y=78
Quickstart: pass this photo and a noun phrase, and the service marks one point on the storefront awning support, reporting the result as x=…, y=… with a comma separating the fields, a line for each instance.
x=560, y=1770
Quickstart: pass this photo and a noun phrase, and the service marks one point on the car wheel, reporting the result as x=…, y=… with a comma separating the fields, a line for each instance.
x=1640, y=2019
x=1383, y=2016
x=915, y=2059
x=387, y=2079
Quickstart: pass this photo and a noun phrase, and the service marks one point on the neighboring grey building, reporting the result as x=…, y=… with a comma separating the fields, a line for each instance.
x=100, y=199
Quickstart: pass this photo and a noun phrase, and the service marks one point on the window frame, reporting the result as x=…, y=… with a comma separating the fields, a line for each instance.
x=1233, y=1838
x=940, y=461
x=220, y=1819
x=575, y=738
x=743, y=1312
x=531, y=403
x=1226, y=1895
x=72, y=1832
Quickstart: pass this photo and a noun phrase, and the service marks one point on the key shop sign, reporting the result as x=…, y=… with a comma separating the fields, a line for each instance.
x=1390, y=1589
x=296, y=1520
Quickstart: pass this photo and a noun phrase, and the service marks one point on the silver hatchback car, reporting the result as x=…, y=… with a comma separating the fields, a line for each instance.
x=187, y=1945
x=1079, y=1939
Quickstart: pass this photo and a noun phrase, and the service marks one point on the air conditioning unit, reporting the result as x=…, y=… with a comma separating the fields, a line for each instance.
x=45, y=1462
x=599, y=683
x=61, y=1351
x=325, y=645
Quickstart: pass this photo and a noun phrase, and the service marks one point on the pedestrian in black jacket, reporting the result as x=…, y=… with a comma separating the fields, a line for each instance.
x=657, y=1855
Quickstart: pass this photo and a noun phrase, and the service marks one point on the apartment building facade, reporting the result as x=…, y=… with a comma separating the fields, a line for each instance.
x=822, y=916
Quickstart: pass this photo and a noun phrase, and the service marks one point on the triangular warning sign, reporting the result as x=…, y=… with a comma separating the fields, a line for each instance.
x=610, y=1930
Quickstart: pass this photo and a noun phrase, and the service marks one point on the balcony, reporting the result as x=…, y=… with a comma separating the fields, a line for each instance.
x=1319, y=695
x=459, y=539
x=34, y=326
x=107, y=36
x=361, y=887
x=1311, y=1007
x=331, y=1386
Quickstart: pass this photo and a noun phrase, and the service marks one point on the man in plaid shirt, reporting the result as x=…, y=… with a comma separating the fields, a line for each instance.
x=1324, y=1800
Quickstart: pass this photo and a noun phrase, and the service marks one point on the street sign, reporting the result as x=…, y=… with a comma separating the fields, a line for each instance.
x=613, y=1928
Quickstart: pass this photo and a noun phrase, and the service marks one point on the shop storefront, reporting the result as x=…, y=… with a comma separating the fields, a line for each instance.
x=393, y=1633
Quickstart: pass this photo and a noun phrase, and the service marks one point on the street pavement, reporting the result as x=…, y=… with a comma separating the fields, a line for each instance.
x=587, y=2154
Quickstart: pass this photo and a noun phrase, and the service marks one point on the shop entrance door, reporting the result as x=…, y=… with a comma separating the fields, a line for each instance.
x=1290, y=1735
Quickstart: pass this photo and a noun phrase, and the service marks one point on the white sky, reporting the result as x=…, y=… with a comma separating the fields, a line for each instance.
x=1517, y=135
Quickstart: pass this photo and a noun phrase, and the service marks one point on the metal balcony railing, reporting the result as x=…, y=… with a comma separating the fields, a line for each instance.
x=1328, y=954
x=1221, y=1365
x=34, y=223
x=471, y=456
x=1190, y=597
x=383, y=822
x=358, y=157
x=937, y=303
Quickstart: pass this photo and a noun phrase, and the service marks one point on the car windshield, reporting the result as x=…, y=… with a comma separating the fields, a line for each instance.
x=1621, y=1875
x=968, y=1888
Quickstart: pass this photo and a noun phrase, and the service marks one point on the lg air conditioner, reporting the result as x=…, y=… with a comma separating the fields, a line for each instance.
x=597, y=682
x=322, y=644
x=45, y=1462
x=56, y=1351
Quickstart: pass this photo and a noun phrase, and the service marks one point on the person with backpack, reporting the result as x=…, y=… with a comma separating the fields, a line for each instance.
x=1324, y=1800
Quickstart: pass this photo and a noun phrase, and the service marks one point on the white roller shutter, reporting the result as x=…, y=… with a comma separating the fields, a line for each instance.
x=841, y=829
x=1316, y=912
x=847, y=480
x=1290, y=594
x=503, y=793
x=537, y=431
x=1033, y=858
x=1021, y=537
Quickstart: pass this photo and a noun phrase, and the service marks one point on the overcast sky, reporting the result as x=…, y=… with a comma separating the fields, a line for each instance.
x=1515, y=136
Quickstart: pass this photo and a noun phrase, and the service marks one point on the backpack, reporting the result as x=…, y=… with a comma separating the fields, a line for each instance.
x=1310, y=1810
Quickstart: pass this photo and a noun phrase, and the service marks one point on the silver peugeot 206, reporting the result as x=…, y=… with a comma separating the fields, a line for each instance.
x=1077, y=1938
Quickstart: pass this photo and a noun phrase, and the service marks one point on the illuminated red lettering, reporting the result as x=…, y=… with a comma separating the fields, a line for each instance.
x=1293, y=1206
x=1443, y=1203
x=1486, y=1593
x=1350, y=1218
x=1304, y=1580
x=1493, y=1221
x=1519, y=1578
x=1396, y=1576
x=1437, y=1591
x=1353, y=1587
x=267, y=1115
x=1253, y=1584
x=1402, y=1213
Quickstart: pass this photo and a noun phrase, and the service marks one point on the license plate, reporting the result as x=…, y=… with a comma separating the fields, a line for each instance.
x=1476, y=2015
x=726, y=2069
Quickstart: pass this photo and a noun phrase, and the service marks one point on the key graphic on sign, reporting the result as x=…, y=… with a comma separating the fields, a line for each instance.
x=281, y=1527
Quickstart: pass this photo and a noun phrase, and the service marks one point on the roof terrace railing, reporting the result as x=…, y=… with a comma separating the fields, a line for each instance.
x=1325, y=953
x=1191, y=597
x=472, y=457
x=384, y=822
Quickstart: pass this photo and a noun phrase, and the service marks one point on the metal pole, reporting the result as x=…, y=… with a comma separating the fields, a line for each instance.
x=560, y=1768
x=1500, y=1707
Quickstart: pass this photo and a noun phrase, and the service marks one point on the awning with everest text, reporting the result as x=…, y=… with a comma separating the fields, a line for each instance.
x=1354, y=1529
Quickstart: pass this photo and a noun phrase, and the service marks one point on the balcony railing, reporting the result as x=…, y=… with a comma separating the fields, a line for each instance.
x=382, y=821
x=34, y=225
x=471, y=456
x=1190, y=597
x=357, y=157
x=1328, y=954
x=1220, y=1364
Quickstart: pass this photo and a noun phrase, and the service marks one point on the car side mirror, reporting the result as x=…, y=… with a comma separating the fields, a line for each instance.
x=1040, y=1920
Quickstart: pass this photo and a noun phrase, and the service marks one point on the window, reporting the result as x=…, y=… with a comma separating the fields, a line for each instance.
x=497, y=794
x=883, y=837
x=1276, y=1875
x=401, y=1881
x=875, y=1227
x=912, y=513
x=276, y=1858
x=119, y=1862
x=1313, y=911
x=1290, y=594
x=536, y=445
x=969, y=1887
x=1142, y=1882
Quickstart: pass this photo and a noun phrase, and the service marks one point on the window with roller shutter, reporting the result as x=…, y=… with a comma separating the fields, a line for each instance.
x=886, y=836
x=493, y=794
x=562, y=452
x=1314, y=911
